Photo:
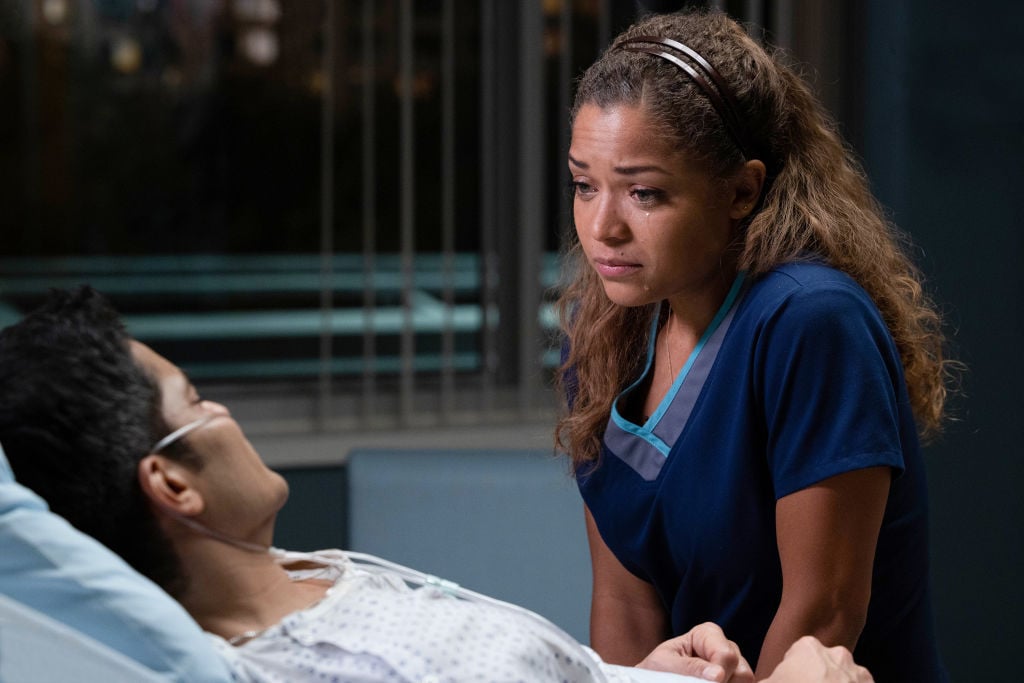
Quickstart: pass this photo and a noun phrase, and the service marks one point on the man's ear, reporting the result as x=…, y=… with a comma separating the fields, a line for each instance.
x=168, y=485
x=747, y=186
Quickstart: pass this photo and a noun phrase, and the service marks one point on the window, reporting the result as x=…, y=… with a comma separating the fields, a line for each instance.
x=331, y=213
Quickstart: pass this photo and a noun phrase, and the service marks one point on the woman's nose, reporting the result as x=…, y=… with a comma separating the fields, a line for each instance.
x=607, y=224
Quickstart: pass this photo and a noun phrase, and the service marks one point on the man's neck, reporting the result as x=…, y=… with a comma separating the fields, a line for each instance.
x=232, y=592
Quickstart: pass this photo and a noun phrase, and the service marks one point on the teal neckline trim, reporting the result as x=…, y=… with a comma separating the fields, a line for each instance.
x=643, y=432
x=646, y=431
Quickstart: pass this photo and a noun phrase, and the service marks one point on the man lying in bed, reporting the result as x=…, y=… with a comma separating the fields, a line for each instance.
x=117, y=441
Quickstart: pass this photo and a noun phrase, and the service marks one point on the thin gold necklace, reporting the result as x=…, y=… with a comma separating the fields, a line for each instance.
x=668, y=348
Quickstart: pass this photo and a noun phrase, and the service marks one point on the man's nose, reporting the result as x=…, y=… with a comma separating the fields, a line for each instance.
x=215, y=408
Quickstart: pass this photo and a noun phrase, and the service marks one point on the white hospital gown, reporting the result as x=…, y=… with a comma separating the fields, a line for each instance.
x=372, y=626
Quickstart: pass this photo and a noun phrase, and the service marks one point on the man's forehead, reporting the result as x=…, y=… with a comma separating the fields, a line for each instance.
x=151, y=361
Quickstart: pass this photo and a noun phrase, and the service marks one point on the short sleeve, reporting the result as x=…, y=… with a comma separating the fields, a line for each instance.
x=51, y=567
x=832, y=385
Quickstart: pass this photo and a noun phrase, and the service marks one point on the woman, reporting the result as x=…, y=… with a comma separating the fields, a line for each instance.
x=749, y=363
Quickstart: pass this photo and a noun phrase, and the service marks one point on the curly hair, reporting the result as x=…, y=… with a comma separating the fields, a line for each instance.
x=816, y=203
x=77, y=414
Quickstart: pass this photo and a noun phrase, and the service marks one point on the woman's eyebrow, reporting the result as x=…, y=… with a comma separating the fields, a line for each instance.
x=634, y=170
x=622, y=170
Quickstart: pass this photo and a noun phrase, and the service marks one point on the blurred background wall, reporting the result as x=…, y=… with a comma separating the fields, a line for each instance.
x=943, y=139
x=343, y=219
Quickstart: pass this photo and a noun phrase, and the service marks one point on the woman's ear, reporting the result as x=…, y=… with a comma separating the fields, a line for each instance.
x=747, y=185
x=168, y=486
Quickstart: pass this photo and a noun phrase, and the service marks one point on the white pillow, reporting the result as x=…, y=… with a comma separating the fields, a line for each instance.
x=50, y=566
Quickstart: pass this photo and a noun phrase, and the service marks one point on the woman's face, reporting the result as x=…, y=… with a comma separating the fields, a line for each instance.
x=653, y=224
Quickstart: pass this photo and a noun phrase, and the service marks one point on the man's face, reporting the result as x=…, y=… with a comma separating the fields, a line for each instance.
x=241, y=495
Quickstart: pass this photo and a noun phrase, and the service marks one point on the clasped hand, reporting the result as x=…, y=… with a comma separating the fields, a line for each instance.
x=705, y=652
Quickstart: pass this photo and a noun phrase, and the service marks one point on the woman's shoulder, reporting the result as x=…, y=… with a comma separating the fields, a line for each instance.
x=797, y=299
x=810, y=273
x=810, y=285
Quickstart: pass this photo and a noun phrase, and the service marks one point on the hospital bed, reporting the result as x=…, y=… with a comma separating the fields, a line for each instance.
x=70, y=610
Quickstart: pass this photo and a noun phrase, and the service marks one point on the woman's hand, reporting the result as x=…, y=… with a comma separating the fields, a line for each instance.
x=703, y=652
x=808, y=661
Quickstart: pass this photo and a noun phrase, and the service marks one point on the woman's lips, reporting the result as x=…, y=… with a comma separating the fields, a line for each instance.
x=615, y=268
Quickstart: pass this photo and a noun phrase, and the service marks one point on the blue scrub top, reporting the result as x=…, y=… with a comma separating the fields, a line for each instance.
x=796, y=380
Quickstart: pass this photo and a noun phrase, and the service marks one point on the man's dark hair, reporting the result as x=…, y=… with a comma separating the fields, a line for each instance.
x=76, y=417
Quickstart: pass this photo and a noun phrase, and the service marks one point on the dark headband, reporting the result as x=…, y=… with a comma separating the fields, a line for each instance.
x=720, y=95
